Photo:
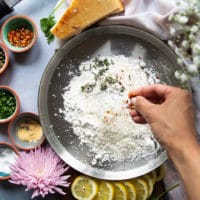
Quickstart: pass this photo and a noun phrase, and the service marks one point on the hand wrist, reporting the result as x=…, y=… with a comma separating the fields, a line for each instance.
x=183, y=153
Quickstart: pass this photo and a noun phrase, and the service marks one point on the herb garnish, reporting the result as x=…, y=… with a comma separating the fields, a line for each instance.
x=109, y=80
x=101, y=66
x=100, y=63
x=47, y=23
x=7, y=104
x=103, y=86
x=87, y=87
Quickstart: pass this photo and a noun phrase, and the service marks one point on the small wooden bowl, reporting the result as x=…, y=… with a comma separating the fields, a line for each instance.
x=7, y=145
x=13, y=128
x=17, y=107
x=16, y=22
x=4, y=49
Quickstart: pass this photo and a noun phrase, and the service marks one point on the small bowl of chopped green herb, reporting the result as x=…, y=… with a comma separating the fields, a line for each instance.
x=9, y=104
x=4, y=58
x=19, y=33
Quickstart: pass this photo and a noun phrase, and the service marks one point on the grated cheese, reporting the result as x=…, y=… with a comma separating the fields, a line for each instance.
x=95, y=105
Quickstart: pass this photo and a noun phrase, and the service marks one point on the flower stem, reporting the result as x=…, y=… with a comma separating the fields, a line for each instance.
x=58, y=6
x=165, y=192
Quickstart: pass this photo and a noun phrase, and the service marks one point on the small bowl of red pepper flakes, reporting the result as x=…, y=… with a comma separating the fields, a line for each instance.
x=19, y=33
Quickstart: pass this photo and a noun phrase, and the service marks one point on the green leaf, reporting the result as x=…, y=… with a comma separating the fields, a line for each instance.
x=46, y=24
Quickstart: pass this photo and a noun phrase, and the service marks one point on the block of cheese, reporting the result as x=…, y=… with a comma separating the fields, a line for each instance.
x=83, y=13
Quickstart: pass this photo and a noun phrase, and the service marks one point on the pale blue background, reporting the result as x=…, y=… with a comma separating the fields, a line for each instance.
x=25, y=69
x=23, y=74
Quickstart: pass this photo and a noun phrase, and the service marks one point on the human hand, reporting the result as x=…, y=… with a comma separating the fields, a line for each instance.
x=169, y=112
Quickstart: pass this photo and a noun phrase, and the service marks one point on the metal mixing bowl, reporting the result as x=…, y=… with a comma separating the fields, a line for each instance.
x=108, y=40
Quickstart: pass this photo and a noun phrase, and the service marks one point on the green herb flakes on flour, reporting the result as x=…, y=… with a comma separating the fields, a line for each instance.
x=94, y=103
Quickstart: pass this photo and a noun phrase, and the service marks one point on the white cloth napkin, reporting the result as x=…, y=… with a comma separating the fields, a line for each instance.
x=151, y=16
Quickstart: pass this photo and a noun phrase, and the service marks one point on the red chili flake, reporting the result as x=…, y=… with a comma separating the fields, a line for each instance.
x=20, y=37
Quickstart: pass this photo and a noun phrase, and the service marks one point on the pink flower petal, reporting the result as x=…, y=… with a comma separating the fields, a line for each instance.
x=41, y=170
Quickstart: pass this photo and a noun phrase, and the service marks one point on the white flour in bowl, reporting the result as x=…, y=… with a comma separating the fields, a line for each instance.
x=95, y=105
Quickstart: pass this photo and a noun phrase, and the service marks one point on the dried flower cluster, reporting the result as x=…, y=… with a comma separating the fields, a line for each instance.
x=40, y=170
x=185, y=28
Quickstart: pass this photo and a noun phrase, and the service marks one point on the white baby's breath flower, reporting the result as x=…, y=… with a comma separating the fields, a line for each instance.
x=170, y=43
x=183, y=78
x=196, y=49
x=172, y=31
x=196, y=61
x=177, y=50
x=194, y=29
x=177, y=74
x=186, y=37
x=192, y=68
x=180, y=61
x=191, y=37
x=185, y=44
x=182, y=19
x=171, y=17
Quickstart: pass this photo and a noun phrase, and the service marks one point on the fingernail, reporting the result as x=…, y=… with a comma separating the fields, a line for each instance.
x=133, y=100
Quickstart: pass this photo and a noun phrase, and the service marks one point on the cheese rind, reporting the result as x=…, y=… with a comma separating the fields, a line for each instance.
x=83, y=13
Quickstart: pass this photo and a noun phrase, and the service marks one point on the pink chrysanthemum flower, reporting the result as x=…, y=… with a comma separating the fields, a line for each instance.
x=41, y=170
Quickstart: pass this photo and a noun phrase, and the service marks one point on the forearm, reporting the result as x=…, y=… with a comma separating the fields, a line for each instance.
x=187, y=163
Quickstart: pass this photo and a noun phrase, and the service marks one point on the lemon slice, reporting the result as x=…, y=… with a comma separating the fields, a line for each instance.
x=160, y=173
x=84, y=188
x=141, y=188
x=120, y=191
x=105, y=191
x=149, y=181
x=152, y=174
x=131, y=191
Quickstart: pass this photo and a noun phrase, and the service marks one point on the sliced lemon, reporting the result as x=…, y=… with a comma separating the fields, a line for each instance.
x=84, y=188
x=149, y=181
x=152, y=174
x=141, y=188
x=160, y=173
x=105, y=191
x=131, y=191
x=120, y=191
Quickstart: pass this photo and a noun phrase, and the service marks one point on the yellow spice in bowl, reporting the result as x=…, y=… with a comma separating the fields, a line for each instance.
x=29, y=131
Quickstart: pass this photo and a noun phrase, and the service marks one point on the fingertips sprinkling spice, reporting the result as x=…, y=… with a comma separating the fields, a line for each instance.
x=20, y=37
x=2, y=58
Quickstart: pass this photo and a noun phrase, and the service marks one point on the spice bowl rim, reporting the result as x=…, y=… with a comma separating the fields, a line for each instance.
x=5, y=50
x=7, y=43
x=13, y=123
x=17, y=106
x=15, y=150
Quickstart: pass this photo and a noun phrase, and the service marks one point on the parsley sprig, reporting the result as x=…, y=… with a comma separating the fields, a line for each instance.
x=47, y=23
x=7, y=104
